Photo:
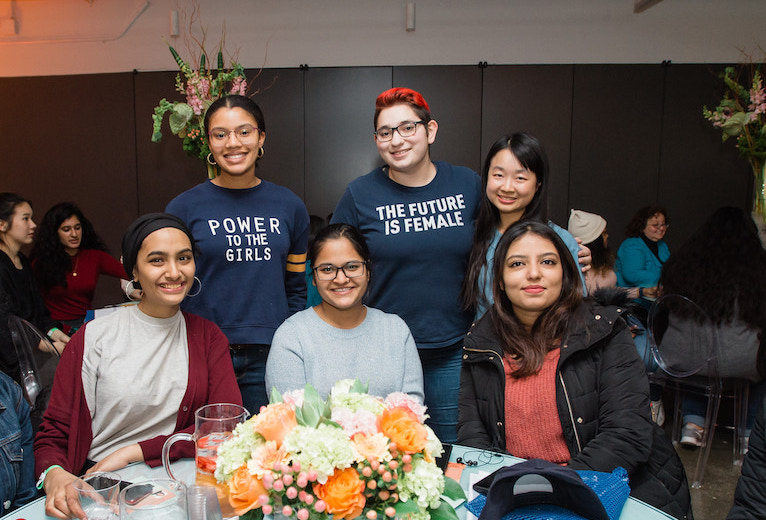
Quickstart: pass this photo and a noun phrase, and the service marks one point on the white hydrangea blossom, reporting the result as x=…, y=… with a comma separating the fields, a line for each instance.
x=424, y=484
x=322, y=449
x=236, y=450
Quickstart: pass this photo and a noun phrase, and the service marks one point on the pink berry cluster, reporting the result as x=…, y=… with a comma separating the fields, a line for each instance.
x=380, y=482
x=292, y=492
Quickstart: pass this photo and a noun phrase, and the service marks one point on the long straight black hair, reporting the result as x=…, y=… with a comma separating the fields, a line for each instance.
x=530, y=153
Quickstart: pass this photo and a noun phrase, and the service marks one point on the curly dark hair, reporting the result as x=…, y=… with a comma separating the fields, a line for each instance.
x=530, y=347
x=722, y=267
x=51, y=261
x=637, y=224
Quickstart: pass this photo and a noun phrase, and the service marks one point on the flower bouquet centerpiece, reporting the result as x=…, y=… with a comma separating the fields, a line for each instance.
x=351, y=456
x=741, y=115
x=201, y=87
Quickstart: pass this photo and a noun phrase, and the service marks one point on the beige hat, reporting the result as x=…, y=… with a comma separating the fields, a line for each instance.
x=586, y=226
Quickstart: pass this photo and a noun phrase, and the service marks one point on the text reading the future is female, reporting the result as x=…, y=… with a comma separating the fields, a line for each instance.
x=415, y=217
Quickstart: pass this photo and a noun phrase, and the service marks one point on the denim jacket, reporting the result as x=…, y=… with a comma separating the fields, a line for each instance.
x=17, y=465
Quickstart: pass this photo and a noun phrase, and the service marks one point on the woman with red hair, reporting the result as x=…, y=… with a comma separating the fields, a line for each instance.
x=417, y=216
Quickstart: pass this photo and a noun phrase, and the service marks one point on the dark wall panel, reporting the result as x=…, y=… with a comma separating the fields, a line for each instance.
x=453, y=94
x=74, y=144
x=616, y=134
x=340, y=104
x=280, y=97
x=535, y=99
x=698, y=173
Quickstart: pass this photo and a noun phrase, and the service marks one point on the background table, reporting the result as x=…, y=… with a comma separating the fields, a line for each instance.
x=487, y=462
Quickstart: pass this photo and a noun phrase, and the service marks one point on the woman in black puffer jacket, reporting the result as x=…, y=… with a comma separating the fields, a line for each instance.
x=548, y=375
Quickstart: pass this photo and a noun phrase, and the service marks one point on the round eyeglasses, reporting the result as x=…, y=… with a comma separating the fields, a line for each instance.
x=244, y=133
x=328, y=272
x=406, y=129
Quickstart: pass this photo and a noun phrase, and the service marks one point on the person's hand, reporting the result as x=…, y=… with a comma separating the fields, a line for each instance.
x=119, y=459
x=59, y=341
x=62, y=499
x=584, y=257
x=651, y=292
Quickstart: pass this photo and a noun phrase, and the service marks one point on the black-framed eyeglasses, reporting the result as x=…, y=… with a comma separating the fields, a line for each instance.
x=328, y=272
x=244, y=134
x=406, y=129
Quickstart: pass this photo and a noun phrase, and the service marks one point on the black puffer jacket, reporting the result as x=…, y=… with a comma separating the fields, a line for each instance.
x=602, y=396
x=750, y=496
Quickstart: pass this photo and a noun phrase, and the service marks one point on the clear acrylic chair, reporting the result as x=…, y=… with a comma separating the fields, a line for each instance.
x=684, y=343
x=28, y=341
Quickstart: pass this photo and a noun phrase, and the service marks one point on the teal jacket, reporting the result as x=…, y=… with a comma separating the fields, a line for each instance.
x=636, y=265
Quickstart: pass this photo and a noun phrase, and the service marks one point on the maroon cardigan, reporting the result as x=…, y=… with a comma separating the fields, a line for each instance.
x=65, y=435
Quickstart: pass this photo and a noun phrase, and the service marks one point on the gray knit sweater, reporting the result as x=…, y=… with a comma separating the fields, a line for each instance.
x=380, y=351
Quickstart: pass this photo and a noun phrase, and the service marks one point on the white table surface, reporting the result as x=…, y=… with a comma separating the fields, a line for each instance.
x=184, y=470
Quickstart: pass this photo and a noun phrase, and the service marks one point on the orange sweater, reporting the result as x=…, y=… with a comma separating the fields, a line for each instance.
x=532, y=425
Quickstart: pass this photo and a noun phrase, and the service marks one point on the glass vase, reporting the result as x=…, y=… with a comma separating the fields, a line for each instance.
x=759, y=197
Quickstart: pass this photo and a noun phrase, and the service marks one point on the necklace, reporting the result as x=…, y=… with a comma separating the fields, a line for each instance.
x=76, y=261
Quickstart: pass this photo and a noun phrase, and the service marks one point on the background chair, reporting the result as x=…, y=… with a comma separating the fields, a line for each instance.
x=684, y=343
x=33, y=347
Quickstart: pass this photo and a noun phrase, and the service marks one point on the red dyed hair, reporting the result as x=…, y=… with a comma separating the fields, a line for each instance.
x=402, y=96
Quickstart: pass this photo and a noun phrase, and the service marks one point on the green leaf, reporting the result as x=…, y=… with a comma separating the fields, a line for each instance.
x=180, y=115
x=253, y=514
x=359, y=388
x=202, y=63
x=735, y=125
x=443, y=512
x=310, y=416
x=452, y=489
x=275, y=396
x=403, y=508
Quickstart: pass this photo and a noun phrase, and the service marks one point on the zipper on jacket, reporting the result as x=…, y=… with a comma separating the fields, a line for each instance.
x=569, y=409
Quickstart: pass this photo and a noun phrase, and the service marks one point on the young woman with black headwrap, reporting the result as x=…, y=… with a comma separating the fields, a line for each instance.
x=118, y=392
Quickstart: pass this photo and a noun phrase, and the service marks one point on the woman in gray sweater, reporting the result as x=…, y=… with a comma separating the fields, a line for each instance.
x=341, y=338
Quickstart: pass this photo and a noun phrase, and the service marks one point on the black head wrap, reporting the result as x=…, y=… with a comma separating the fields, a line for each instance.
x=141, y=228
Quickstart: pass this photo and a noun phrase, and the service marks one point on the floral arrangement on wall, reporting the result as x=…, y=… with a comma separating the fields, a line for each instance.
x=741, y=115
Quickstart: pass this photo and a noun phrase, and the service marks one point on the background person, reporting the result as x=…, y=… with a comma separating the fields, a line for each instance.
x=514, y=185
x=253, y=237
x=721, y=268
x=417, y=216
x=341, y=338
x=591, y=229
x=542, y=357
x=19, y=294
x=641, y=256
x=750, y=494
x=17, y=464
x=67, y=258
x=120, y=387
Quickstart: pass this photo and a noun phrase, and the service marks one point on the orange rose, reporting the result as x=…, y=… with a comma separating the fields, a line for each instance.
x=343, y=493
x=275, y=422
x=401, y=425
x=244, y=490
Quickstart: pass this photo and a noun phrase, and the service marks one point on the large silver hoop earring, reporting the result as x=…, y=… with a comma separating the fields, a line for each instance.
x=190, y=295
x=129, y=288
x=211, y=159
x=260, y=152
